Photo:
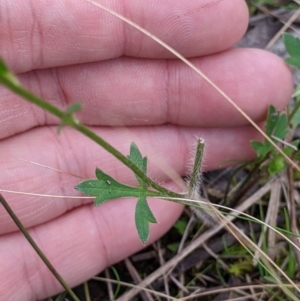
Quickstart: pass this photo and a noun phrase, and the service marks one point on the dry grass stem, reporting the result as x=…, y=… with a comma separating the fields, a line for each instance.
x=146, y=296
x=283, y=29
x=199, y=72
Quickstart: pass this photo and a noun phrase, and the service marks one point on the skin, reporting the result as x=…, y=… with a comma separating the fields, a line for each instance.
x=68, y=52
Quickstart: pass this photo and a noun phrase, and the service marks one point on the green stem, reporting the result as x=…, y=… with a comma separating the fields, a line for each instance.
x=87, y=132
x=86, y=291
x=116, y=293
x=68, y=119
x=37, y=249
x=294, y=111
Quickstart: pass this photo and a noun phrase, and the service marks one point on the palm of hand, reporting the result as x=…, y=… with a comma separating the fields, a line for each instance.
x=122, y=79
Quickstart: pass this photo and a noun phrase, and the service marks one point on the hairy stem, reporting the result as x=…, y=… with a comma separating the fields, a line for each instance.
x=195, y=177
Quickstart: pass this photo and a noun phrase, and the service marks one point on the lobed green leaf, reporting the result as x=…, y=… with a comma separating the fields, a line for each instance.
x=272, y=118
x=107, y=188
x=261, y=149
x=292, y=45
x=277, y=126
x=281, y=127
x=135, y=157
x=143, y=216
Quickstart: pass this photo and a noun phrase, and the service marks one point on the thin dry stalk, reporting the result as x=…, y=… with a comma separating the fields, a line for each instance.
x=156, y=294
x=109, y=285
x=262, y=287
x=272, y=212
x=271, y=218
x=162, y=262
x=146, y=296
x=180, y=284
x=249, y=280
x=283, y=29
x=185, y=234
x=182, y=281
x=200, y=73
x=216, y=257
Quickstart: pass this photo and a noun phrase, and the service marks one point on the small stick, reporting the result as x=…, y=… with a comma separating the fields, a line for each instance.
x=37, y=249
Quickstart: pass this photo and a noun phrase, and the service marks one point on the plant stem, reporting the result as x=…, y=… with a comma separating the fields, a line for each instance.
x=294, y=111
x=195, y=177
x=37, y=249
x=87, y=132
x=68, y=119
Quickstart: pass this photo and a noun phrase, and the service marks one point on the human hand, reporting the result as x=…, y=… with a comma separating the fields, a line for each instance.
x=69, y=52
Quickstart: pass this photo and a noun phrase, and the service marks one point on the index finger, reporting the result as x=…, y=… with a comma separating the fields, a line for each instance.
x=43, y=34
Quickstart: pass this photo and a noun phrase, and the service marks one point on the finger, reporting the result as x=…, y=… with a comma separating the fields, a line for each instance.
x=79, y=245
x=168, y=150
x=138, y=92
x=39, y=35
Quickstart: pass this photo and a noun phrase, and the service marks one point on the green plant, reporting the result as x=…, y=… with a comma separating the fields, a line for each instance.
x=292, y=45
x=272, y=4
x=277, y=129
x=105, y=188
x=279, y=125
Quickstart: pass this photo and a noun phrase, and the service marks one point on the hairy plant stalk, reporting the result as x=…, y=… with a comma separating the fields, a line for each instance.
x=204, y=213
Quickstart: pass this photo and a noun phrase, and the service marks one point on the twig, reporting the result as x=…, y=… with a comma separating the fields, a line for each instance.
x=283, y=29
x=37, y=249
x=146, y=296
x=109, y=285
